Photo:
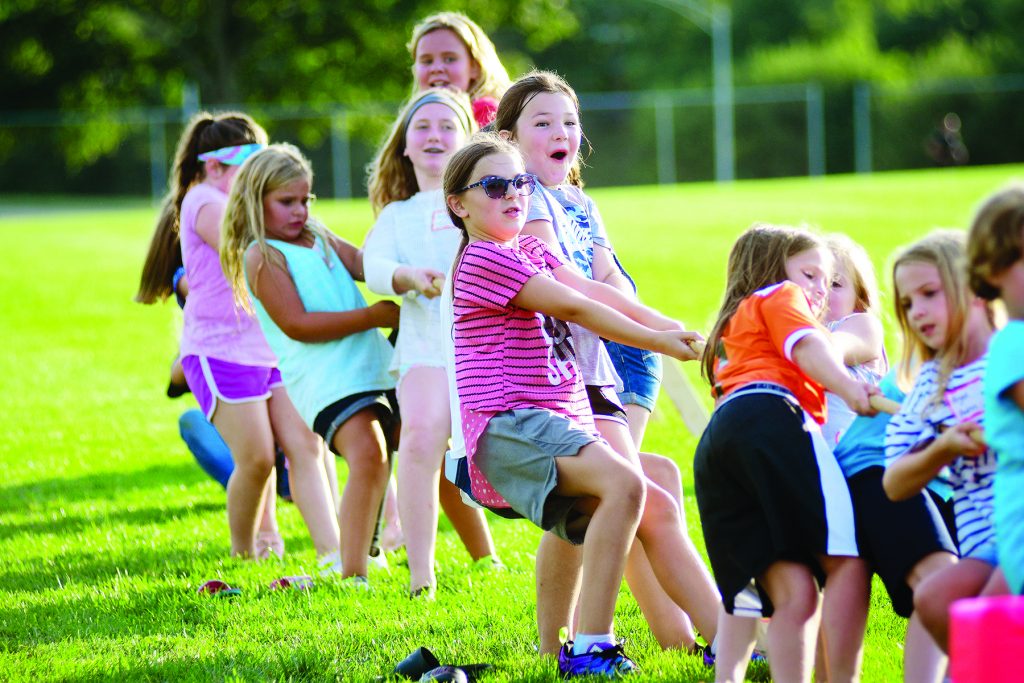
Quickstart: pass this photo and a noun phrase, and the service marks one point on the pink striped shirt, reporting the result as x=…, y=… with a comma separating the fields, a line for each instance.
x=508, y=357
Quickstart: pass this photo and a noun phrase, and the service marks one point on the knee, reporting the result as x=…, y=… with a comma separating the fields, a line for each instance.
x=422, y=441
x=631, y=488
x=931, y=601
x=660, y=508
x=662, y=471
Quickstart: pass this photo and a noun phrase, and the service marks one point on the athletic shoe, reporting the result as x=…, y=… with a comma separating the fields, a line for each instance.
x=709, y=659
x=606, y=659
x=423, y=593
x=355, y=583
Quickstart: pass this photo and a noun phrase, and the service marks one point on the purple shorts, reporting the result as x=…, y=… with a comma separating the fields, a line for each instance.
x=213, y=380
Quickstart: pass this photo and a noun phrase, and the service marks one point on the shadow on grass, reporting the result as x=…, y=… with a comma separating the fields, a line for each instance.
x=100, y=485
x=73, y=524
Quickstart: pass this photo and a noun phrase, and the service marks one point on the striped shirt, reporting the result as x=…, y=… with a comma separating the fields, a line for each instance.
x=508, y=357
x=921, y=418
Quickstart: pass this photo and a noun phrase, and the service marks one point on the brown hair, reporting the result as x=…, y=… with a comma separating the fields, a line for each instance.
x=205, y=132
x=459, y=172
x=996, y=239
x=757, y=260
x=519, y=95
x=391, y=176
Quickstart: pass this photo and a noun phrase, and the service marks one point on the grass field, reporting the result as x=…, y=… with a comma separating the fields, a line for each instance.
x=107, y=526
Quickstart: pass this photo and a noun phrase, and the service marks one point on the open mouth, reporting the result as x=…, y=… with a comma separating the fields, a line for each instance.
x=559, y=155
x=433, y=150
x=439, y=84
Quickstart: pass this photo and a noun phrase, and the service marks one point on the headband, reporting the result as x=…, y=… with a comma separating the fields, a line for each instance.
x=232, y=156
x=447, y=100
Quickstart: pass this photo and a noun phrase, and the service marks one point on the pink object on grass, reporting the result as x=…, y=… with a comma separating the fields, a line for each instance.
x=986, y=637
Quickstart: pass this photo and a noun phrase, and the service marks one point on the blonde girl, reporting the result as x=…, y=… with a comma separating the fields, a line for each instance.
x=946, y=331
x=562, y=476
x=333, y=358
x=540, y=113
x=230, y=369
x=773, y=503
x=408, y=251
x=450, y=51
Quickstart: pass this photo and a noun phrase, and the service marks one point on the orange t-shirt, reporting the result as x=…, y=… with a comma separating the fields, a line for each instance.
x=758, y=345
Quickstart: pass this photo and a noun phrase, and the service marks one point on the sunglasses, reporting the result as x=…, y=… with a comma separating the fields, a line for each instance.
x=495, y=187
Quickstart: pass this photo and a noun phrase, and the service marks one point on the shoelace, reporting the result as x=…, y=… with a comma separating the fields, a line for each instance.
x=615, y=658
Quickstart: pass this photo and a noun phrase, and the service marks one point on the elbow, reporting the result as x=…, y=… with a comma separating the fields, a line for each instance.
x=894, y=488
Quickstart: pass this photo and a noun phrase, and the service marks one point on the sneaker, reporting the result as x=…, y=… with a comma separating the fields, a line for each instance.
x=330, y=564
x=355, y=583
x=269, y=544
x=602, y=660
x=423, y=593
x=709, y=659
x=378, y=561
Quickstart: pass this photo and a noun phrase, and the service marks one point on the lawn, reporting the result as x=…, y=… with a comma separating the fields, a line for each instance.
x=107, y=526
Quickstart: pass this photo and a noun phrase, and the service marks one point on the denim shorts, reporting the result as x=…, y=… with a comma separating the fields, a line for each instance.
x=330, y=419
x=640, y=371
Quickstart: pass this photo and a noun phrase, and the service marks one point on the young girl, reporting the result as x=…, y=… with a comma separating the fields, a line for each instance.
x=332, y=357
x=949, y=329
x=229, y=367
x=772, y=500
x=408, y=251
x=540, y=112
x=526, y=422
x=902, y=542
x=450, y=51
x=996, y=253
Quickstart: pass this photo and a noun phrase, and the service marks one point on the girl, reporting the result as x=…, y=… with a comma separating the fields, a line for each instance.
x=949, y=329
x=996, y=252
x=526, y=423
x=450, y=51
x=902, y=542
x=333, y=359
x=407, y=252
x=773, y=503
x=229, y=367
x=540, y=112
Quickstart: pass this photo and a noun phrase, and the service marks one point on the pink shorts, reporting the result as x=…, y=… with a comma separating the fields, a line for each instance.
x=213, y=380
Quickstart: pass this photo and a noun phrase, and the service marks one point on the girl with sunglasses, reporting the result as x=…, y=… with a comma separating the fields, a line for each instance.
x=526, y=424
x=408, y=252
x=540, y=112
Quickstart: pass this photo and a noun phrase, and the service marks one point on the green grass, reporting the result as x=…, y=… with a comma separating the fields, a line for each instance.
x=107, y=526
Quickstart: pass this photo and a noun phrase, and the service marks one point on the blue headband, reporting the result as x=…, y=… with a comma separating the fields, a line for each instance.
x=232, y=156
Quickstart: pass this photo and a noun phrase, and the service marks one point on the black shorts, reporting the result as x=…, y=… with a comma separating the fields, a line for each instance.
x=895, y=536
x=604, y=404
x=331, y=418
x=768, y=489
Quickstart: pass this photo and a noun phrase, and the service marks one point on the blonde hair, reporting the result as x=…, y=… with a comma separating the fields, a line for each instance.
x=855, y=261
x=493, y=79
x=243, y=224
x=205, y=132
x=996, y=239
x=757, y=260
x=391, y=176
x=519, y=95
x=945, y=250
x=459, y=171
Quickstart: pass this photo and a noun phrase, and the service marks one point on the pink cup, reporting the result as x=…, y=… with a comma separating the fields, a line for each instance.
x=986, y=636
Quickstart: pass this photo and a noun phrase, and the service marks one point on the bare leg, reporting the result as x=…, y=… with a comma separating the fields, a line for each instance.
x=637, y=417
x=791, y=631
x=923, y=659
x=735, y=645
x=844, y=618
x=469, y=523
x=935, y=594
x=246, y=430
x=391, y=537
x=558, y=585
x=308, y=479
x=360, y=440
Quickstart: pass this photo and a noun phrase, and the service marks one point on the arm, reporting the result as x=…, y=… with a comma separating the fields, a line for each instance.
x=614, y=298
x=820, y=361
x=273, y=286
x=606, y=271
x=859, y=339
x=911, y=472
x=1016, y=393
x=558, y=300
x=349, y=254
x=208, y=224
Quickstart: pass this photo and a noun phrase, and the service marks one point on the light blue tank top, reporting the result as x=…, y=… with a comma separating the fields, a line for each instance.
x=318, y=374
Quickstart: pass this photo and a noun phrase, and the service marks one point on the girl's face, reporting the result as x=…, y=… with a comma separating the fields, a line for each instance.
x=496, y=220
x=286, y=210
x=811, y=270
x=434, y=134
x=842, y=295
x=442, y=61
x=921, y=296
x=548, y=133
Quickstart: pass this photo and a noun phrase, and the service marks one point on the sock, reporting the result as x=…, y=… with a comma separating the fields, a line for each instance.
x=713, y=647
x=584, y=641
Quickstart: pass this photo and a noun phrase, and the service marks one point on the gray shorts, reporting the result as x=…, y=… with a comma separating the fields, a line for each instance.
x=516, y=453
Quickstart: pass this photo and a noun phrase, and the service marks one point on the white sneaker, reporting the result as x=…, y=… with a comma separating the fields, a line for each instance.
x=330, y=563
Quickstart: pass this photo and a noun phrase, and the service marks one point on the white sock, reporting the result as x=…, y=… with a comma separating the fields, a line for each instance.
x=584, y=641
x=714, y=647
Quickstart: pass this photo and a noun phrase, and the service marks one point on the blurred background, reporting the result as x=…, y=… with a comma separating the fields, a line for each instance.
x=94, y=93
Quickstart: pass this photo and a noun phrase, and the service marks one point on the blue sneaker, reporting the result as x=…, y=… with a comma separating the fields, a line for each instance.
x=610, y=661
